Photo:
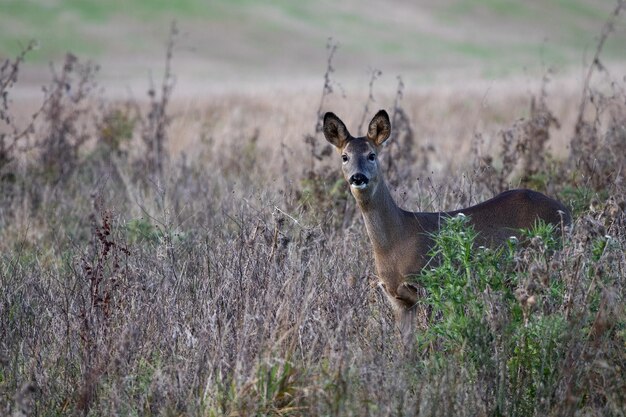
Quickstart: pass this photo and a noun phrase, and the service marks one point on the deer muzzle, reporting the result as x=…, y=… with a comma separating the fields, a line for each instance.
x=358, y=181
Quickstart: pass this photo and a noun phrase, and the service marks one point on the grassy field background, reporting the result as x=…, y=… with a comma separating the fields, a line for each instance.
x=176, y=238
x=267, y=41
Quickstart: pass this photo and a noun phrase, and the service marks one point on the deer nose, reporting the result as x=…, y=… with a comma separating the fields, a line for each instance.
x=358, y=180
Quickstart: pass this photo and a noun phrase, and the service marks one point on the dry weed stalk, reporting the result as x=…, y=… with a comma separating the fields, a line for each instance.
x=374, y=75
x=101, y=274
x=65, y=117
x=318, y=152
x=154, y=124
x=524, y=154
x=592, y=154
x=10, y=134
x=400, y=159
x=532, y=145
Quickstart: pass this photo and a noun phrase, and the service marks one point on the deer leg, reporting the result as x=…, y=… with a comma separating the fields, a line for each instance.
x=407, y=293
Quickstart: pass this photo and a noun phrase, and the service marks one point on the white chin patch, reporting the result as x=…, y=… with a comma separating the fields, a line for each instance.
x=359, y=187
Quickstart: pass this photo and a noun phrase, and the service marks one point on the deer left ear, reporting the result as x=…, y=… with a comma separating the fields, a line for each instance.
x=379, y=128
x=335, y=131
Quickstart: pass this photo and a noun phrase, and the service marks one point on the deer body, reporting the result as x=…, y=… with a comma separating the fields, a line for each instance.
x=401, y=240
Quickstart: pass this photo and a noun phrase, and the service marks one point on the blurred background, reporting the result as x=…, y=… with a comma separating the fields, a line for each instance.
x=238, y=44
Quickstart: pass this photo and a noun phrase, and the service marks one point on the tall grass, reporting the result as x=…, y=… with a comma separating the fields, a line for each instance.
x=234, y=278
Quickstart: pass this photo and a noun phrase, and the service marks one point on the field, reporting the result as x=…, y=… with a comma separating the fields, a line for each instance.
x=245, y=43
x=194, y=251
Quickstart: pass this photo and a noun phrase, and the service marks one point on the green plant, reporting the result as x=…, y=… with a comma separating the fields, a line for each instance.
x=325, y=195
x=455, y=286
x=116, y=129
x=276, y=389
x=139, y=230
x=582, y=198
x=488, y=311
x=536, y=350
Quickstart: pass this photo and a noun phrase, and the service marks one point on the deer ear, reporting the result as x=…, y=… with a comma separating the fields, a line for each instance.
x=379, y=128
x=335, y=131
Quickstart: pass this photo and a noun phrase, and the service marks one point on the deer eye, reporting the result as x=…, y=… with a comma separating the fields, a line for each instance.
x=372, y=156
x=344, y=157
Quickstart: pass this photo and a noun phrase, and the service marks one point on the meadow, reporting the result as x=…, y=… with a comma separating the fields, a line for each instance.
x=163, y=256
x=243, y=42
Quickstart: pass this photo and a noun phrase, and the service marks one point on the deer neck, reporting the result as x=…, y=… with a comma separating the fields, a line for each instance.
x=383, y=218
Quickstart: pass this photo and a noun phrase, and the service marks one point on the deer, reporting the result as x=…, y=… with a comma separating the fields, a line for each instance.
x=402, y=240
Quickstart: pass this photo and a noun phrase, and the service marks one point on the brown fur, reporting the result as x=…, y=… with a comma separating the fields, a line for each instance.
x=401, y=239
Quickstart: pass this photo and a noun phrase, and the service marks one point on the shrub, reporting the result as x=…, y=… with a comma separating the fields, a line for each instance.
x=496, y=311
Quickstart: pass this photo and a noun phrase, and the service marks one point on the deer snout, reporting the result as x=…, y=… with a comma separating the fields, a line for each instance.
x=358, y=180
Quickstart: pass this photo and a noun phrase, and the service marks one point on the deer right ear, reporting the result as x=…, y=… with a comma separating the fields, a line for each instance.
x=379, y=128
x=335, y=131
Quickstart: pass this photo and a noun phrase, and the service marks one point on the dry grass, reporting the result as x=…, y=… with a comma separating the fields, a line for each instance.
x=233, y=277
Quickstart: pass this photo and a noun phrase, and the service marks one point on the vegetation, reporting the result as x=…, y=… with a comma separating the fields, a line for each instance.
x=506, y=319
x=430, y=35
x=135, y=280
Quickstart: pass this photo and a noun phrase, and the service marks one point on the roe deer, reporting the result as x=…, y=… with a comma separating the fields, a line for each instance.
x=401, y=239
